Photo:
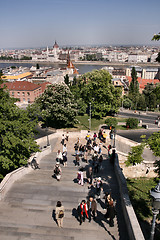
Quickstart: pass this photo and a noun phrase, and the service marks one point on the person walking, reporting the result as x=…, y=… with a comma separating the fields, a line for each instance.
x=89, y=175
x=57, y=171
x=82, y=211
x=77, y=161
x=64, y=155
x=63, y=139
x=99, y=187
x=80, y=177
x=59, y=211
x=59, y=157
x=111, y=213
x=67, y=136
x=92, y=208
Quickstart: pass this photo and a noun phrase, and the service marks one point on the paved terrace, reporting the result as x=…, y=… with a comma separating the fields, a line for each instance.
x=27, y=211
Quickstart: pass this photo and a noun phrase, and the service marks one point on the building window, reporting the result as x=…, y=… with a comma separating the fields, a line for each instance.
x=24, y=99
x=18, y=93
x=12, y=93
x=28, y=93
x=29, y=100
x=23, y=93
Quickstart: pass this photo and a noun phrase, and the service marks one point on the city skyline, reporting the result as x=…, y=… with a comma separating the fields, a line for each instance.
x=38, y=23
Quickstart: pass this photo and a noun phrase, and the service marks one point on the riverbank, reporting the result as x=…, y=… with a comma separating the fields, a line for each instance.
x=100, y=63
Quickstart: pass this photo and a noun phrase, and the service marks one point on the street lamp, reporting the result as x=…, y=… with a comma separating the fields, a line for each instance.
x=155, y=194
x=90, y=115
x=114, y=144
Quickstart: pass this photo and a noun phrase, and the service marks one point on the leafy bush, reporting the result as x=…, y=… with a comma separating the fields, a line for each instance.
x=132, y=122
x=127, y=103
x=135, y=156
x=111, y=122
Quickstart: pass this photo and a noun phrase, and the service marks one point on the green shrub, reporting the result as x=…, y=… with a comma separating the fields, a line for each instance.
x=132, y=123
x=111, y=122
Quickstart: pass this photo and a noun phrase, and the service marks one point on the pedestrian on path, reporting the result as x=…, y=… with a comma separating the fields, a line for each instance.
x=99, y=187
x=57, y=171
x=67, y=136
x=86, y=155
x=59, y=214
x=111, y=213
x=76, y=148
x=64, y=155
x=80, y=177
x=82, y=211
x=59, y=157
x=92, y=208
x=63, y=139
x=77, y=160
x=89, y=175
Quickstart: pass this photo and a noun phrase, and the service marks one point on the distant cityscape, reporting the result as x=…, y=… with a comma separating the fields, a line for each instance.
x=123, y=54
x=28, y=83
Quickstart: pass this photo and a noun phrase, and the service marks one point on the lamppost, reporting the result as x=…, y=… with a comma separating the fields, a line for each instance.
x=90, y=116
x=114, y=144
x=47, y=133
x=155, y=194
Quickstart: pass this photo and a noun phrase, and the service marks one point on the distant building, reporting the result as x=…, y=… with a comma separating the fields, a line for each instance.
x=143, y=82
x=144, y=73
x=17, y=77
x=25, y=92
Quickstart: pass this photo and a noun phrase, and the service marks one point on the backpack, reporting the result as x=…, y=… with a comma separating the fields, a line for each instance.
x=57, y=170
x=61, y=214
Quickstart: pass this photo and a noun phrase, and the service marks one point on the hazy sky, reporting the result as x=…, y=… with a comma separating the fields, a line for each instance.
x=37, y=23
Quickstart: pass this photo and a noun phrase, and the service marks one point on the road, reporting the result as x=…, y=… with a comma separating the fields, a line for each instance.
x=147, y=119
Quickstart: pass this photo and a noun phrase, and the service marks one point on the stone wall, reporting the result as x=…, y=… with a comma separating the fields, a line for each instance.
x=134, y=230
x=15, y=175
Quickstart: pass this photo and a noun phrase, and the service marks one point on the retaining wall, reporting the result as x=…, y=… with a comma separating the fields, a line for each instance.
x=134, y=230
x=15, y=175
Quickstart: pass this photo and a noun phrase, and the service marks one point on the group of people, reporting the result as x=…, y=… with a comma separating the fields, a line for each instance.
x=61, y=157
x=87, y=209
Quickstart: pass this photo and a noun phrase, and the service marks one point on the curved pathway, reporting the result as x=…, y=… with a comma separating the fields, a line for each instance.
x=27, y=212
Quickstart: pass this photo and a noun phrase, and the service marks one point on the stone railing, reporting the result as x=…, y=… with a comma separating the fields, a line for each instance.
x=15, y=175
x=134, y=230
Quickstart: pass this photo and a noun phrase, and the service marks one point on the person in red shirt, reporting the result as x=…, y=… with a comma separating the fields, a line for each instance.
x=83, y=211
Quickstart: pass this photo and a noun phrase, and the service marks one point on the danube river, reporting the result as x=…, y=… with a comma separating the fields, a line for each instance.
x=82, y=68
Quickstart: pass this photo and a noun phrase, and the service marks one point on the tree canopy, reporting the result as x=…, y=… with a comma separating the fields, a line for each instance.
x=96, y=88
x=57, y=105
x=134, y=88
x=17, y=135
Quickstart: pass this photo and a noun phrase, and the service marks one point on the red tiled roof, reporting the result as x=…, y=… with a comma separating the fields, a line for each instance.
x=143, y=82
x=44, y=85
x=21, y=86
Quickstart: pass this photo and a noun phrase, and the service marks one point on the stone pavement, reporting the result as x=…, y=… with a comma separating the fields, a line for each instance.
x=27, y=212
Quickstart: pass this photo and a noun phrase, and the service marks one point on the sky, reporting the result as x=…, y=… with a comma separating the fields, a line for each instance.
x=38, y=23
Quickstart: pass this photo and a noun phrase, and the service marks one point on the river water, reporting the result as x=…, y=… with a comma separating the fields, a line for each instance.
x=82, y=68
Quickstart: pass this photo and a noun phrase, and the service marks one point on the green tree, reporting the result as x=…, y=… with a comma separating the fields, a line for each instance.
x=134, y=88
x=141, y=104
x=57, y=105
x=16, y=135
x=111, y=122
x=66, y=79
x=96, y=88
x=158, y=57
x=132, y=122
x=150, y=96
x=156, y=37
x=154, y=143
x=135, y=156
x=127, y=103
